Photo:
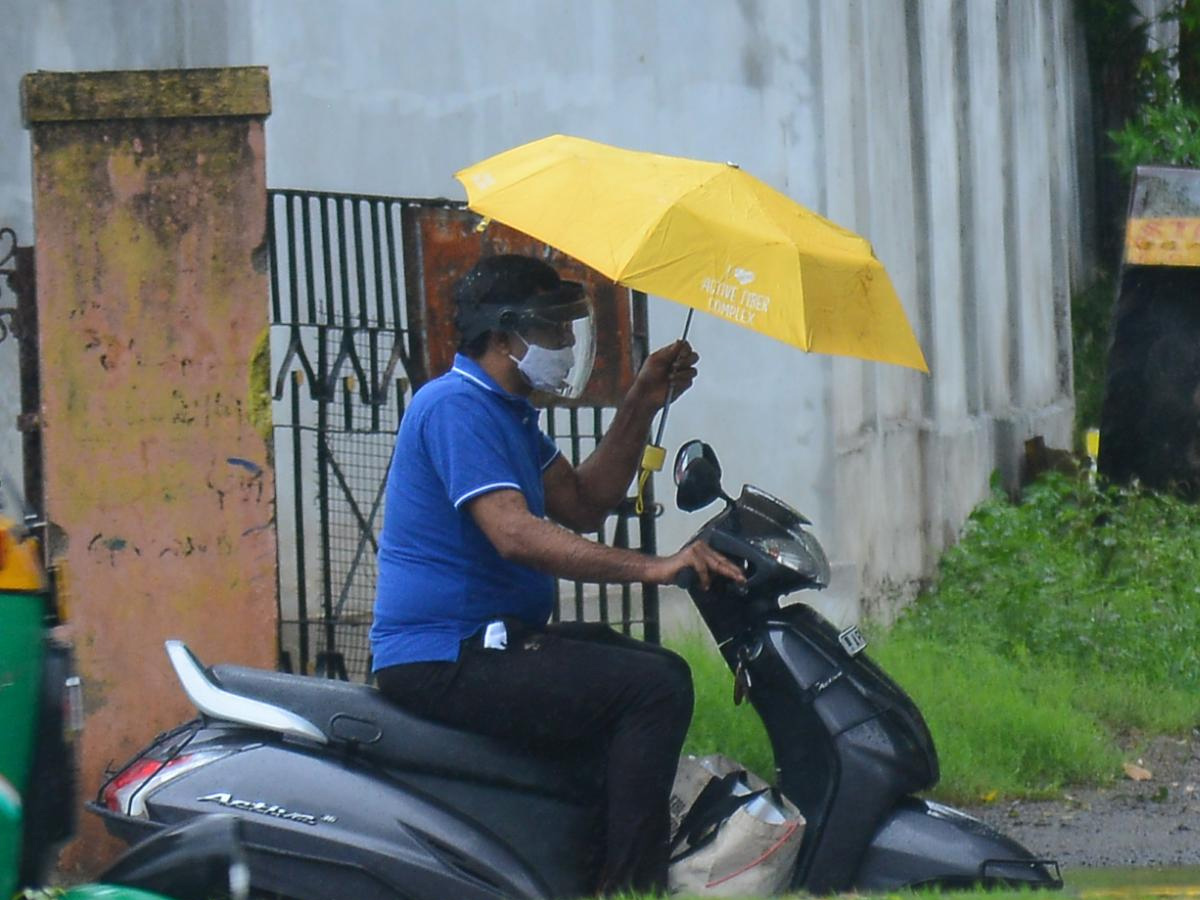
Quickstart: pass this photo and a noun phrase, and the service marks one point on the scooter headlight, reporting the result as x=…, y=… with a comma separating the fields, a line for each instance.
x=801, y=553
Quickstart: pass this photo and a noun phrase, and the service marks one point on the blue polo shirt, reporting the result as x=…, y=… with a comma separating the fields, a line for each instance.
x=440, y=578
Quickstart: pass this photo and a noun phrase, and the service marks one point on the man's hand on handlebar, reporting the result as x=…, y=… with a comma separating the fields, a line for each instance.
x=704, y=562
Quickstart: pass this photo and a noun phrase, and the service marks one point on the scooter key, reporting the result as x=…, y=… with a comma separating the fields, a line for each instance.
x=741, y=683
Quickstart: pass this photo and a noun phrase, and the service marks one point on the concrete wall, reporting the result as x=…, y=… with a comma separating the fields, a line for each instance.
x=966, y=177
x=946, y=131
x=150, y=211
x=65, y=35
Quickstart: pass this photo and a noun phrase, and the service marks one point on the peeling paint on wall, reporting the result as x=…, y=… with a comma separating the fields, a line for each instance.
x=152, y=312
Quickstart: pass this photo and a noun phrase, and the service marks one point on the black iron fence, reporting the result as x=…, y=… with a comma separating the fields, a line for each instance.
x=20, y=320
x=349, y=345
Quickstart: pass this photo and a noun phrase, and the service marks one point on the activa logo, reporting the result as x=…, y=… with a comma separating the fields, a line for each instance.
x=265, y=809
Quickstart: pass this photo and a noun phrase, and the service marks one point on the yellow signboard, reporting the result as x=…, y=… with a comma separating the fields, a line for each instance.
x=1163, y=242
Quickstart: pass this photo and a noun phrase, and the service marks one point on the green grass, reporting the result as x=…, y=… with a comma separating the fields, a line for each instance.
x=1001, y=729
x=1106, y=885
x=1058, y=626
x=718, y=726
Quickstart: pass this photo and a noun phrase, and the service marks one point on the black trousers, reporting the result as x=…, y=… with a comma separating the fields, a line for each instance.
x=574, y=685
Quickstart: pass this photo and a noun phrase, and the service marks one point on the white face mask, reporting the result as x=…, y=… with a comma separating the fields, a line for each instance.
x=545, y=370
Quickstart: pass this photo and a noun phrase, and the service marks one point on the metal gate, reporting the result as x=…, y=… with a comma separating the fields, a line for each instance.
x=20, y=320
x=353, y=331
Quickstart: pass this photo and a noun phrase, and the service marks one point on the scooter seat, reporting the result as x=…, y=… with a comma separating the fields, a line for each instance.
x=358, y=716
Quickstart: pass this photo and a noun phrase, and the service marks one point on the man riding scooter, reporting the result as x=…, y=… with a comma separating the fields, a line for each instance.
x=344, y=793
x=480, y=517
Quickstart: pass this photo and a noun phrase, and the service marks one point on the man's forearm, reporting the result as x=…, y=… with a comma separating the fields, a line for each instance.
x=605, y=475
x=547, y=547
x=522, y=537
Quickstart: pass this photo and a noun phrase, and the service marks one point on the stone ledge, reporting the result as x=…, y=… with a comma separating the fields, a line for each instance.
x=145, y=94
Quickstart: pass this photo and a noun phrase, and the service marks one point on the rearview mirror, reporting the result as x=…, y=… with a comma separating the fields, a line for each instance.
x=697, y=476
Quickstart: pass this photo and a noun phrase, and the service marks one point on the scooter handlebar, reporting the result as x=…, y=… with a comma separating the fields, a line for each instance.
x=685, y=578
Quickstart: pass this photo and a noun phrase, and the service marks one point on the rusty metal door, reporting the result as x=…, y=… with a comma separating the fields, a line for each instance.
x=360, y=316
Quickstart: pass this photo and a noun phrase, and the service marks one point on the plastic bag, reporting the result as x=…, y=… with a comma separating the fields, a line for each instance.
x=733, y=835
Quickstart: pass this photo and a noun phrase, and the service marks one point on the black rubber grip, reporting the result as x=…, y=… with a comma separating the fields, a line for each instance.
x=685, y=578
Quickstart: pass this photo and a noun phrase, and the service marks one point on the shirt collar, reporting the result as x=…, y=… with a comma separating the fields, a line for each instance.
x=469, y=370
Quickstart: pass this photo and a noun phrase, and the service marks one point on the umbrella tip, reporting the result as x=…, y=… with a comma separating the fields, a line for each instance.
x=732, y=164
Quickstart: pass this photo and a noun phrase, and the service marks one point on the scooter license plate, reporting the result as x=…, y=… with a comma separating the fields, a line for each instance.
x=852, y=640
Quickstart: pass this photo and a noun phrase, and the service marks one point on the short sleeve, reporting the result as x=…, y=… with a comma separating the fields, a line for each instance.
x=465, y=451
x=549, y=452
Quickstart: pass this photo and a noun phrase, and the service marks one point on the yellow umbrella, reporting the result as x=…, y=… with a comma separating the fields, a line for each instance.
x=704, y=234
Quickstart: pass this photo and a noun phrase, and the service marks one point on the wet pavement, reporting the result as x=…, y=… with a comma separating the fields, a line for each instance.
x=1153, y=822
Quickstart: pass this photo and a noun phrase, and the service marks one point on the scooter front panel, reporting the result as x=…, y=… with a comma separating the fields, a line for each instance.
x=925, y=844
x=820, y=680
x=842, y=758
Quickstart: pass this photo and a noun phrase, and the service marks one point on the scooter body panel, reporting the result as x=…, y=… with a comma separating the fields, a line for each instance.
x=319, y=826
x=850, y=746
x=842, y=754
x=923, y=843
x=357, y=719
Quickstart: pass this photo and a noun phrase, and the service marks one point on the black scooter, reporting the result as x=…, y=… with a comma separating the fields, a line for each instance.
x=342, y=795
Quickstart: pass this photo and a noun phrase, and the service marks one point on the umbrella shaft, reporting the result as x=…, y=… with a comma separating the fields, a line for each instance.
x=662, y=420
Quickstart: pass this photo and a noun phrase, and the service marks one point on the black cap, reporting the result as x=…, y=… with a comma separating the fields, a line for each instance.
x=500, y=291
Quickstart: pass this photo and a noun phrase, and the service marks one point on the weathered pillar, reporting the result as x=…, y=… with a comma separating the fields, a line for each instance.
x=149, y=207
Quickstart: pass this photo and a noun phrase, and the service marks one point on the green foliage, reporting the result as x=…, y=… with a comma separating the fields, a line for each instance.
x=1091, y=311
x=1001, y=727
x=1057, y=624
x=1165, y=125
x=1166, y=132
x=1092, y=579
x=1069, y=617
x=258, y=401
x=1113, y=30
x=717, y=725
x=916, y=894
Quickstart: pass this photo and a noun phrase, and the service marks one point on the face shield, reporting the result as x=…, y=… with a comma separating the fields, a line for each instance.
x=560, y=342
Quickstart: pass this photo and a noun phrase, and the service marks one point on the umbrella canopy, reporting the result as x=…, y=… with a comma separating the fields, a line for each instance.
x=703, y=234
